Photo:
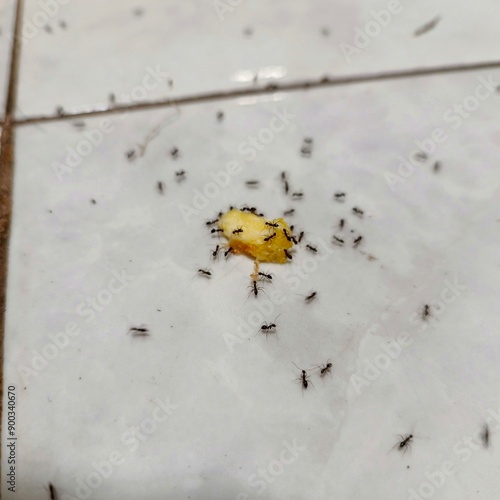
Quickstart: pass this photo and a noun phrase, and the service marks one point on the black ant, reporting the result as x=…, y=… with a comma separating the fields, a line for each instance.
x=297, y=196
x=268, y=328
x=215, y=252
x=325, y=369
x=288, y=254
x=426, y=312
x=287, y=187
x=211, y=222
x=420, y=155
x=357, y=241
x=228, y=251
x=303, y=378
x=220, y=116
x=289, y=212
x=139, y=331
x=272, y=224
x=311, y=297
x=338, y=241
x=217, y=231
x=159, y=185
x=205, y=273
x=301, y=235
x=437, y=166
x=269, y=238
x=265, y=276
x=341, y=223
x=252, y=184
x=237, y=231
x=312, y=248
x=357, y=211
x=405, y=442
x=52, y=491
x=485, y=435
x=287, y=236
x=339, y=196
x=130, y=154
x=180, y=175
x=254, y=288
x=174, y=152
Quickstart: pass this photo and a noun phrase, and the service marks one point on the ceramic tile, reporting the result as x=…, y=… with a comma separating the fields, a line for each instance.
x=207, y=407
x=76, y=54
x=6, y=28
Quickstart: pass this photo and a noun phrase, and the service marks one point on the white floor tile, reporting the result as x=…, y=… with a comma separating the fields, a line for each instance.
x=236, y=410
x=77, y=54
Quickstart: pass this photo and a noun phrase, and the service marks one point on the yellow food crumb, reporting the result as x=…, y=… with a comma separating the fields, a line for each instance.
x=257, y=237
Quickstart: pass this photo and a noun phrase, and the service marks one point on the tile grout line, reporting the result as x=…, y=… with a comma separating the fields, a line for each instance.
x=269, y=89
x=6, y=183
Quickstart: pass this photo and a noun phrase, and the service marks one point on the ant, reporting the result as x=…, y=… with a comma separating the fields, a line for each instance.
x=303, y=378
x=341, y=223
x=217, y=231
x=338, y=241
x=437, y=166
x=267, y=277
x=215, y=252
x=254, y=288
x=228, y=251
x=139, y=331
x=237, y=231
x=289, y=212
x=339, y=196
x=297, y=195
x=130, y=154
x=268, y=328
x=287, y=187
x=269, y=238
x=357, y=211
x=53, y=492
x=301, y=235
x=220, y=116
x=206, y=273
x=159, y=185
x=325, y=369
x=405, y=442
x=311, y=297
x=420, y=155
x=272, y=224
x=210, y=222
x=252, y=184
x=287, y=236
x=426, y=312
x=485, y=435
x=357, y=241
x=174, y=152
x=180, y=175
x=312, y=248
x=288, y=254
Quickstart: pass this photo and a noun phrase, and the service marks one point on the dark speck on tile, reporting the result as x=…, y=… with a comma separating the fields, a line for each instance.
x=130, y=154
x=138, y=12
x=47, y=28
x=93, y=201
x=248, y=31
x=63, y=24
x=220, y=116
x=325, y=31
x=427, y=26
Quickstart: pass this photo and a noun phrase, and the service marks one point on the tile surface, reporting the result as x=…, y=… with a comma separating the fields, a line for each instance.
x=78, y=53
x=206, y=407
x=6, y=28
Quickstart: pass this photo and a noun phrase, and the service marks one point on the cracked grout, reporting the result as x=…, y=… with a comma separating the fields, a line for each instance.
x=269, y=89
x=7, y=137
